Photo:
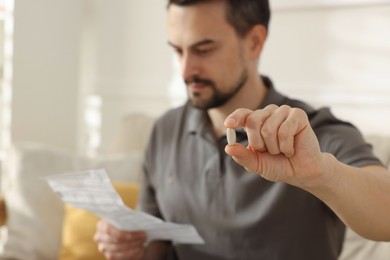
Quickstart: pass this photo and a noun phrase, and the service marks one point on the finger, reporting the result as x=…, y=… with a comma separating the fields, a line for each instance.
x=126, y=237
x=271, y=126
x=295, y=122
x=124, y=255
x=243, y=156
x=237, y=118
x=107, y=232
x=122, y=250
x=251, y=121
x=122, y=247
x=254, y=124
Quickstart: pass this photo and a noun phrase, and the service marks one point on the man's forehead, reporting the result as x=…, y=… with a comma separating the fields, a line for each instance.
x=196, y=23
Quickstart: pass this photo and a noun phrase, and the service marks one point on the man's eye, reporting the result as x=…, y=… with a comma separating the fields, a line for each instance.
x=203, y=51
x=178, y=52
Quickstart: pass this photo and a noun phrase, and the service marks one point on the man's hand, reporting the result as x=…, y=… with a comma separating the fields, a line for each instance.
x=282, y=145
x=118, y=244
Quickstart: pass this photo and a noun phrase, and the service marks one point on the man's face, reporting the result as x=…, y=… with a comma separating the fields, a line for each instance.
x=211, y=55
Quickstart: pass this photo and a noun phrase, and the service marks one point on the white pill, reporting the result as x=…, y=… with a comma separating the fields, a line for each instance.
x=231, y=135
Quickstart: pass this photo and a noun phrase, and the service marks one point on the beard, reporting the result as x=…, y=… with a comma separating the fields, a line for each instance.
x=217, y=97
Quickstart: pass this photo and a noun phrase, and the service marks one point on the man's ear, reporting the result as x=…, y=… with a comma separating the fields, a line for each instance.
x=256, y=39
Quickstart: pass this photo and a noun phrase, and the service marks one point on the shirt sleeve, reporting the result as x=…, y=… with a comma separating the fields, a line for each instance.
x=343, y=140
x=147, y=201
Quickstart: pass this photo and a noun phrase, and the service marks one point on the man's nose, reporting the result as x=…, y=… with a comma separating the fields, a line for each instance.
x=190, y=66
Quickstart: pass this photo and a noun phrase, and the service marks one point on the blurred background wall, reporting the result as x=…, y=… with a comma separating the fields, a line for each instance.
x=79, y=66
x=335, y=54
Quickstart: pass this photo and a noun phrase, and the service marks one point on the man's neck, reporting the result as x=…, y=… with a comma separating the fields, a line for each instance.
x=250, y=96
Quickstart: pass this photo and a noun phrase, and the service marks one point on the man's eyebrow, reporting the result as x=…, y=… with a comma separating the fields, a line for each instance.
x=197, y=44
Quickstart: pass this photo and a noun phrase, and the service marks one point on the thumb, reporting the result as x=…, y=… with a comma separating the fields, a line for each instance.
x=243, y=156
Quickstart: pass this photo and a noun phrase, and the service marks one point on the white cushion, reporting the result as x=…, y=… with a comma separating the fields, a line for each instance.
x=35, y=213
x=359, y=248
x=381, y=147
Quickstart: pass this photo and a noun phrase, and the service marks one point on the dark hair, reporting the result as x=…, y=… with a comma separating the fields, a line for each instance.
x=241, y=14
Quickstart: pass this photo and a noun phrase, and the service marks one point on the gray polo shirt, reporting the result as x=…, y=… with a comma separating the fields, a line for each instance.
x=189, y=179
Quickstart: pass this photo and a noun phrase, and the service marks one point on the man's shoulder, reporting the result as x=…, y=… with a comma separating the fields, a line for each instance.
x=324, y=117
x=300, y=104
x=172, y=116
x=318, y=117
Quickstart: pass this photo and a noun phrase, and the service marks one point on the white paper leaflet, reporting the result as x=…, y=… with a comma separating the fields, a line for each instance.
x=92, y=190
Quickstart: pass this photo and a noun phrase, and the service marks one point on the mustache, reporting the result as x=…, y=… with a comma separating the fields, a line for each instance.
x=199, y=80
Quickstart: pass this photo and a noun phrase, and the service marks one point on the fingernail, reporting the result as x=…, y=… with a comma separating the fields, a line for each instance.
x=230, y=121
